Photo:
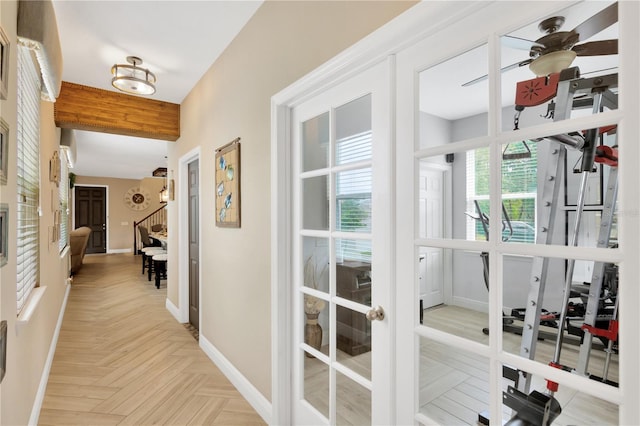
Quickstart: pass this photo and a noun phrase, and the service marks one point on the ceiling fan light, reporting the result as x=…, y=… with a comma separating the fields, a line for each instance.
x=552, y=62
x=133, y=79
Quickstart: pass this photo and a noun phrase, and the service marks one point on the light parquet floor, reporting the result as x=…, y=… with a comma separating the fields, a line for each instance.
x=122, y=359
x=454, y=384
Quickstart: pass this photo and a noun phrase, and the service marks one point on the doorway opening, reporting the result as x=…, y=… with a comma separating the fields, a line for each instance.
x=91, y=211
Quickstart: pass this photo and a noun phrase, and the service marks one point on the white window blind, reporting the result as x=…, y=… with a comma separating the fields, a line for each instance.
x=519, y=193
x=353, y=196
x=28, y=137
x=63, y=194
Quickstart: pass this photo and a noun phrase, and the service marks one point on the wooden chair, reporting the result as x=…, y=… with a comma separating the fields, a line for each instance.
x=146, y=244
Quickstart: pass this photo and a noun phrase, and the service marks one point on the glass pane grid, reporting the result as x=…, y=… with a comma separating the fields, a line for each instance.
x=336, y=201
x=514, y=206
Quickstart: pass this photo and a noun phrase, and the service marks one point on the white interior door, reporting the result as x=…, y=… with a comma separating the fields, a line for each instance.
x=341, y=253
x=432, y=225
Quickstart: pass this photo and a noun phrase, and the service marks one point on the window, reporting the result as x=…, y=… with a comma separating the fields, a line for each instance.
x=353, y=196
x=28, y=170
x=519, y=192
x=63, y=195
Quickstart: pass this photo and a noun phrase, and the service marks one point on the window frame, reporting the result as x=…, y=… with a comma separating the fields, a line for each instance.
x=28, y=178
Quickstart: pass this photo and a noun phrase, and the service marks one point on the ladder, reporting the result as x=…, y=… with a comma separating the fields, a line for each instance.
x=568, y=85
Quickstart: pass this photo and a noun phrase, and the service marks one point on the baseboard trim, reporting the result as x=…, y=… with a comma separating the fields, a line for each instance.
x=44, y=379
x=475, y=305
x=112, y=251
x=175, y=311
x=244, y=386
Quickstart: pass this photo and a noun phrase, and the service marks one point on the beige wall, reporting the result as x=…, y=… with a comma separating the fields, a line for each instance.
x=119, y=217
x=282, y=42
x=28, y=346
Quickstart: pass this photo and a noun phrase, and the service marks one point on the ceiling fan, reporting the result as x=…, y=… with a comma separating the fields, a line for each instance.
x=557, y=49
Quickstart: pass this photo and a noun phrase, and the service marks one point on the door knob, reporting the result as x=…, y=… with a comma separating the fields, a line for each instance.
x=375, y=314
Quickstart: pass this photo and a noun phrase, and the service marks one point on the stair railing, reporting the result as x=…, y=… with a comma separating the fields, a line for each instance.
x=156, y=217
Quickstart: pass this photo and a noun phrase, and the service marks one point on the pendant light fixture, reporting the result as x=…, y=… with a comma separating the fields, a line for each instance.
x=133, y=79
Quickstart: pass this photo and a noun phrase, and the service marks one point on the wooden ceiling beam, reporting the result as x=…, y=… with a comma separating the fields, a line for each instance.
x=88, y=108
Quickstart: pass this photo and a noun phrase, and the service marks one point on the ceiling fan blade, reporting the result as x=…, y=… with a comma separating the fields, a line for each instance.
x=507, y=68
x=598, y=22
x=596, y=48
x=598, y=71
x=519, y=43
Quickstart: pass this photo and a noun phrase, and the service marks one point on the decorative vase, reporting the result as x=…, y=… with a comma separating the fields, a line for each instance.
x=312, y=332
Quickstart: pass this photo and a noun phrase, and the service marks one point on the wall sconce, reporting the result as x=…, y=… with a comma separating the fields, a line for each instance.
x=167, y=193
x=164, y=194
x=172, y=189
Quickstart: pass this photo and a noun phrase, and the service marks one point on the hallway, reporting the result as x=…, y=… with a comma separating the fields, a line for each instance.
x=123, y=359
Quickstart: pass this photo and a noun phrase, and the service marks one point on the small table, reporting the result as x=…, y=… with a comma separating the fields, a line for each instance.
x=160, y=237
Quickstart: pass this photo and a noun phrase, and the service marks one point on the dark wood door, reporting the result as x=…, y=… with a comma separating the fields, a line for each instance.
x=194, y=248
x=91, y=211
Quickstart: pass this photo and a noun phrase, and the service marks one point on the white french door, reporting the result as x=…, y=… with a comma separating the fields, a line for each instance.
x=456, y=108
x=341, y=276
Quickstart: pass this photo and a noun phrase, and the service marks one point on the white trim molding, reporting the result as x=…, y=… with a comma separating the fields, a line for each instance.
x=112, y=251
x=175, y=311
x=30, y=306
x=242, y=384
x=44, y=378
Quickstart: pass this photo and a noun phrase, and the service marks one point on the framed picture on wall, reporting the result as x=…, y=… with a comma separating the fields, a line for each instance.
x=4, y=149
x=228, y=185
x=4, y=64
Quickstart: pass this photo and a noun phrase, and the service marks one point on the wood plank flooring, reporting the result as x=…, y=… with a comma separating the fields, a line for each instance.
x=454, y=385
x=122, y=359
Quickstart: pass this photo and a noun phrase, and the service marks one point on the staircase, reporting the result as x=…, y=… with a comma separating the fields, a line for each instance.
x=157, y=217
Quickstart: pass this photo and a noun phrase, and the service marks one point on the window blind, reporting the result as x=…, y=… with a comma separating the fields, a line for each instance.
x=519, y=193
x=353, y=196
x=28, y=179
x=63, y=195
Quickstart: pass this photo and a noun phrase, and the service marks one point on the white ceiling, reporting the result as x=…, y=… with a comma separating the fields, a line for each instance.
x=180, y=40
x=177, y=40
x=441, y=90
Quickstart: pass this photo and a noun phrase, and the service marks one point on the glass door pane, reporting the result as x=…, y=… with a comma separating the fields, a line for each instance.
x=335, y=251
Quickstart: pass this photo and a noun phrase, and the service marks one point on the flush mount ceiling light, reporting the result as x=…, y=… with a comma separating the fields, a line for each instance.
x=132, y=79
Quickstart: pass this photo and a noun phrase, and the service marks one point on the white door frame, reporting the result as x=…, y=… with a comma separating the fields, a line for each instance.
x=183, y=232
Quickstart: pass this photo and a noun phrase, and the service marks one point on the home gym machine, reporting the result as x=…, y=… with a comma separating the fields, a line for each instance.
x=570, y=92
